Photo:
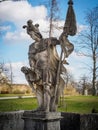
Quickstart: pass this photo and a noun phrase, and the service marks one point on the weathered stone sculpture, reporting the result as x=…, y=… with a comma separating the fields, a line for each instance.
x=46, y=67
x=42, y=74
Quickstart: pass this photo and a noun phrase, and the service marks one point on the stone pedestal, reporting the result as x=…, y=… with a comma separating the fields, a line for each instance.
x=41, y=120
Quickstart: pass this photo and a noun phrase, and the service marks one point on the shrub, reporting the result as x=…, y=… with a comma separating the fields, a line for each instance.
x=17, y=91
x=4, y=92
x=70, y=91
x=4, y=89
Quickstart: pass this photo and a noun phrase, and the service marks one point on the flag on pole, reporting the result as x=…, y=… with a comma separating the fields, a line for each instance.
x=70, y=22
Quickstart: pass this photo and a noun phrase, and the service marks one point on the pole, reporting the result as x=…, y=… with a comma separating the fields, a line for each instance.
x=70, y=29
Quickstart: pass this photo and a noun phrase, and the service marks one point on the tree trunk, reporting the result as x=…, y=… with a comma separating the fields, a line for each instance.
x=94, y=75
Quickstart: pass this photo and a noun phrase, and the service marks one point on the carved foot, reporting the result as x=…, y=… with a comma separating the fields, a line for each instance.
x=40, y=109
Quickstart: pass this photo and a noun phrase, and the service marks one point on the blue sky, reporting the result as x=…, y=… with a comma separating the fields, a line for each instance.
x=14, y=42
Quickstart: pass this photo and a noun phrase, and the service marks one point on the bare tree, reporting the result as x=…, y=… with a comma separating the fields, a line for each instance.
x=3, y=77
x=69, y=79
x=89, y=43
x=9, y=72
x=83, y=82
x=53, y=13
x=6, y=75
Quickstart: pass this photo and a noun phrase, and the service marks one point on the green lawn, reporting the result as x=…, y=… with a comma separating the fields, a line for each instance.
x=18, y=104
x=79, y=104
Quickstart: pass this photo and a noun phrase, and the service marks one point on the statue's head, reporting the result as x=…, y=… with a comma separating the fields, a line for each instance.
x=29, y=22
x=37, y=25
x=24, y=69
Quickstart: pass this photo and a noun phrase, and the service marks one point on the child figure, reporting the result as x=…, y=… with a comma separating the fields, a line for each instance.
x=33, y=31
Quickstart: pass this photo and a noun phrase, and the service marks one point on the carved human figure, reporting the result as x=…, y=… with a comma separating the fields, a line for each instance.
x=33, y=30
x=43, y=71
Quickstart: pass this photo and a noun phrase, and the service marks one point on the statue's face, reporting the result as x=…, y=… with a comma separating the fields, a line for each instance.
x=29, y=23
x=24, y=69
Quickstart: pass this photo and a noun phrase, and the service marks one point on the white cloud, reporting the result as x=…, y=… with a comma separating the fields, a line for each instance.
x=81, y=28
x=18, y=76
x=5, y=28
x=18, y=36
x=20, y=11
x=77, y=56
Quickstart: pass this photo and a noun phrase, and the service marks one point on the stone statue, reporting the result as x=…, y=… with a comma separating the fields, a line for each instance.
x=44, y=63
x=46, y=73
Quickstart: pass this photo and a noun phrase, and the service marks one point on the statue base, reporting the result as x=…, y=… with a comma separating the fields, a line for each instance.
x=41, y=120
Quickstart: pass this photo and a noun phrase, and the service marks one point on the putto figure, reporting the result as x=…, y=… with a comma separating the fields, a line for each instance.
x=45, y=74
x=33, y=30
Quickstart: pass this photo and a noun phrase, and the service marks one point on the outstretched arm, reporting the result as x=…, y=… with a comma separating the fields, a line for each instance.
x=24, y=26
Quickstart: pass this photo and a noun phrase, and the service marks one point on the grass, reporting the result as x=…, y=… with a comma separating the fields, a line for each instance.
x=79, y=104
x=18, y=104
